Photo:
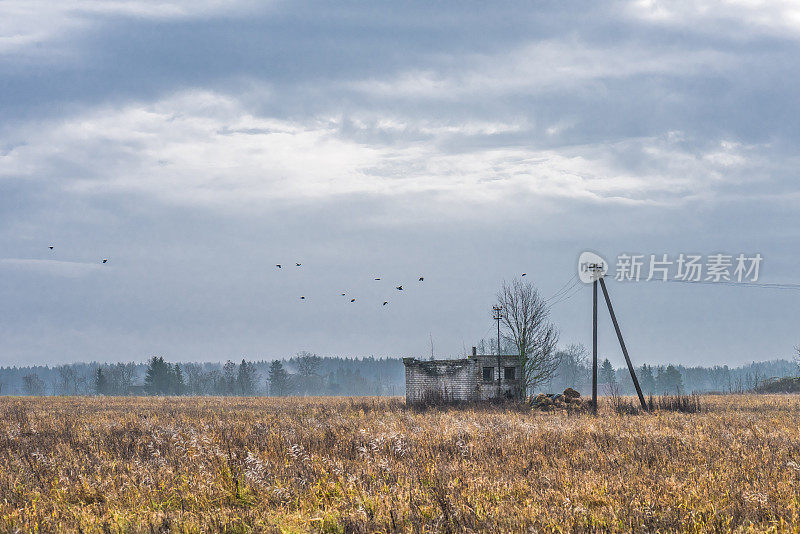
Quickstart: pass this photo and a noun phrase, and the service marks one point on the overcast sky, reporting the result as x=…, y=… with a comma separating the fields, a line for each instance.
x=196, y=144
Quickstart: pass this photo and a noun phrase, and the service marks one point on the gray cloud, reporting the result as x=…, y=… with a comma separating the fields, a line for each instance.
x=198, y=145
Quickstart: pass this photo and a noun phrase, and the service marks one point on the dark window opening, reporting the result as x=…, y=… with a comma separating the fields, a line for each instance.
x=488, y=374
x=509, y=373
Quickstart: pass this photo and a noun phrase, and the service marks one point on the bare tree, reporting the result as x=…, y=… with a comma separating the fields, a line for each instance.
x=125, y=374
x=526, y=320
x=33, y=385
x=308, y=381
x=797, y=357
x=68, y=382
x=197, y=381
x=573, y=366
x=308, y=364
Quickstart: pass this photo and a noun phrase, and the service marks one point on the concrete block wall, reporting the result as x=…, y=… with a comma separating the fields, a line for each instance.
x=452, y=379
x=459, y=379
x=488, y=390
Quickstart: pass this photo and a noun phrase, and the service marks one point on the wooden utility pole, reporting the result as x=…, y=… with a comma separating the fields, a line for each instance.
x=594, y=268
x=621, y=341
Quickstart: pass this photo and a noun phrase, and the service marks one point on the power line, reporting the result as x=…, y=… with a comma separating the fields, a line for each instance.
x=564, y=290
x=562, y=296
x=486, y=332
x=763, y=285
x=562, y=287
x=570, y=295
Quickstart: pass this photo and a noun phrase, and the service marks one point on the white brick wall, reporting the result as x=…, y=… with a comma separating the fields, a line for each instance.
x=453, y=379
x=457, y=379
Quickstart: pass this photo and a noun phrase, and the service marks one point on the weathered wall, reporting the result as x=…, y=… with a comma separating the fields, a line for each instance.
x=459, y=379
x=453, y=379
x=488, y=390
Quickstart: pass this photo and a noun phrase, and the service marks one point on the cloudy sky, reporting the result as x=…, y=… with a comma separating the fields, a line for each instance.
x=196, y=144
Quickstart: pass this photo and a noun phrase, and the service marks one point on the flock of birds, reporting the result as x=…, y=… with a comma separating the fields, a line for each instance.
x=385, y=302
x=52, y=247
x=298, y=264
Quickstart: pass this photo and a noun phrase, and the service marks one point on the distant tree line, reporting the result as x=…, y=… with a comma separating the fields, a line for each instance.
x=310, y=377
x=310, y=374
x=575, y=370
x=302, y=374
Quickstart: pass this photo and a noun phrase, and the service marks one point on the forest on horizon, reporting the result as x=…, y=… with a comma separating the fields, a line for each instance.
x=312, y=375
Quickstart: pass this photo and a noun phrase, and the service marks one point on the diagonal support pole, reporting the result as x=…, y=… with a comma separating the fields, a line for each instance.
x=622, y=344
x=594, y=347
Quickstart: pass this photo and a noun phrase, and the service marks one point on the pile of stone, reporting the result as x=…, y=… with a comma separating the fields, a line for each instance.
x=570, y=399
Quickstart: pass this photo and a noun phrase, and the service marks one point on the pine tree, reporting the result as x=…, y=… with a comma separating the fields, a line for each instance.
x=246, y=379
x=607, y=373
x=177, y=385
x=228, y=386
x=157, y=381
x=101, y=384
x=646, y=379
x=278, y=379
x=669, y=380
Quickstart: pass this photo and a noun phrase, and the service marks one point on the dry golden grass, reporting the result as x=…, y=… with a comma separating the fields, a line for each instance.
x=367, y=465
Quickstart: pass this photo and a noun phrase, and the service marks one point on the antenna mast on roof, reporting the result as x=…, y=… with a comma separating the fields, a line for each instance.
x=497, y=314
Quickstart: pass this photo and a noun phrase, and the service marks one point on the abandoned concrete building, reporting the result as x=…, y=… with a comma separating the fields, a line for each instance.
x=466, y=379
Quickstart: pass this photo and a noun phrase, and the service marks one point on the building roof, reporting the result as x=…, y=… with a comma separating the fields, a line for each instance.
x=457, y=360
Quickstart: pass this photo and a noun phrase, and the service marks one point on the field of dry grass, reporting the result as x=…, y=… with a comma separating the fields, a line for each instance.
x=367, y=465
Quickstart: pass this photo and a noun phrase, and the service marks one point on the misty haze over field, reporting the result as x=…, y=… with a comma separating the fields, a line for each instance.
x=195, y=145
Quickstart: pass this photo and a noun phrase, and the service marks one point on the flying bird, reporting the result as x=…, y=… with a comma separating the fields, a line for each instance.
x=352, y=300
x=421, y=278
x=523, y=274
x=377, y=279
x=278, y=266
x=298, y=264
x=343, y=294
x=399, y=288
x=105, y=260
x=385, y=302
x=302, y=298
x=51, y=247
